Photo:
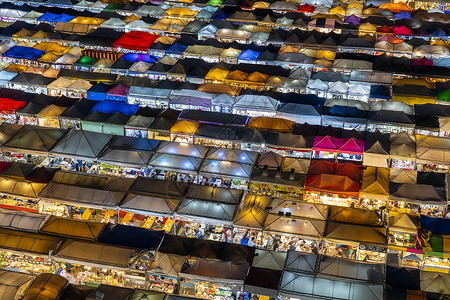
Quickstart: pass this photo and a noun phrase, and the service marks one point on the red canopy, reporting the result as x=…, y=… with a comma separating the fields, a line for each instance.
x=306, y=8
x=423, y=62
x=135, y=40
x=349, y=169
x=10, y=105
x=384, y=29
x=317, y=167
x=333, y=183
x=402, y=30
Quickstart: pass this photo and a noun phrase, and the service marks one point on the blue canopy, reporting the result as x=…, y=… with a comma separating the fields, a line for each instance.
x=435, y=225
x=98, y=92
x=111, y=107
x=380, y=91
x=439, y=32
x=347, y=111
x=442, y=62
x=176, y=48
x=135, y=57
x=49, y=17
x=402, y=15
x=24, y=52
x=220, y=15
x=249, y=55
x=310, y=99
x=131, y=236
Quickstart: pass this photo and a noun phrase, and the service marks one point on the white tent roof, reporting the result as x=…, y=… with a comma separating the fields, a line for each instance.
x=256, y=102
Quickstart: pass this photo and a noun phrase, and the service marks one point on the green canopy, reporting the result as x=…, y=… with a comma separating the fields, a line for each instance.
x=443, y=95
x=85, y=61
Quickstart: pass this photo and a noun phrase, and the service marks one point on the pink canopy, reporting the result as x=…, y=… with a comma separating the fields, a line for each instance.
x=326, y=143
x=352, y=145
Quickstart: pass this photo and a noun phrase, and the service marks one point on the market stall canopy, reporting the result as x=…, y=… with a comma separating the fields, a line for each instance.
x=271, y=124
x=147, y=295
x=28, y=242
x=417, y=193
x=197, y=151
x=434, y=282
x=46, y=286
x=354, y=216
x=403, y=176
x=13, y=284
x=184, y=246
x=294, y=225
x=402, y=222
x=352, y=270
x=217, y=271
x=404, y=278
x=435, y=225
x=21, y=220
x=167, y=264
x=34, y=140
x=73, y=228
x=252, y=212
x=130, y=236
x=23, y=188
x=110, y=292
x=94, y=254
x=293, y=285
x=76, y=195
x=375, y=183
x=82, y=144
x=432, y=150
x=339, y=231
x=266, y=259
x=262, y=281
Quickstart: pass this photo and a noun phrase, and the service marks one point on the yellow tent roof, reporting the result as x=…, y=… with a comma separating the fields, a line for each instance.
x=413, y=100
x=51, y=73
x=23, y=33
x=375, y=181
x=15, y=68
x=49, y=57
x=337, y=11
x=51, y=111
x=26, y=44
x=87, y=20
x=52, y=47
x=323, y=62
x=356, y=5
x=230, y=53
x=413, y=81
x=131, y=18
x=257, y=77
x=287, y=49
x=308, y=52
x=186, y=127
x=367, y=27
x=165, y=39
x=237, y=75
x=272, y=124
x=440, y=43
x=40, y=35
x=35, y=70
x=218, y=88
x=181, y=11
x=260, y=4
x=327, y=54
x=395, y=7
